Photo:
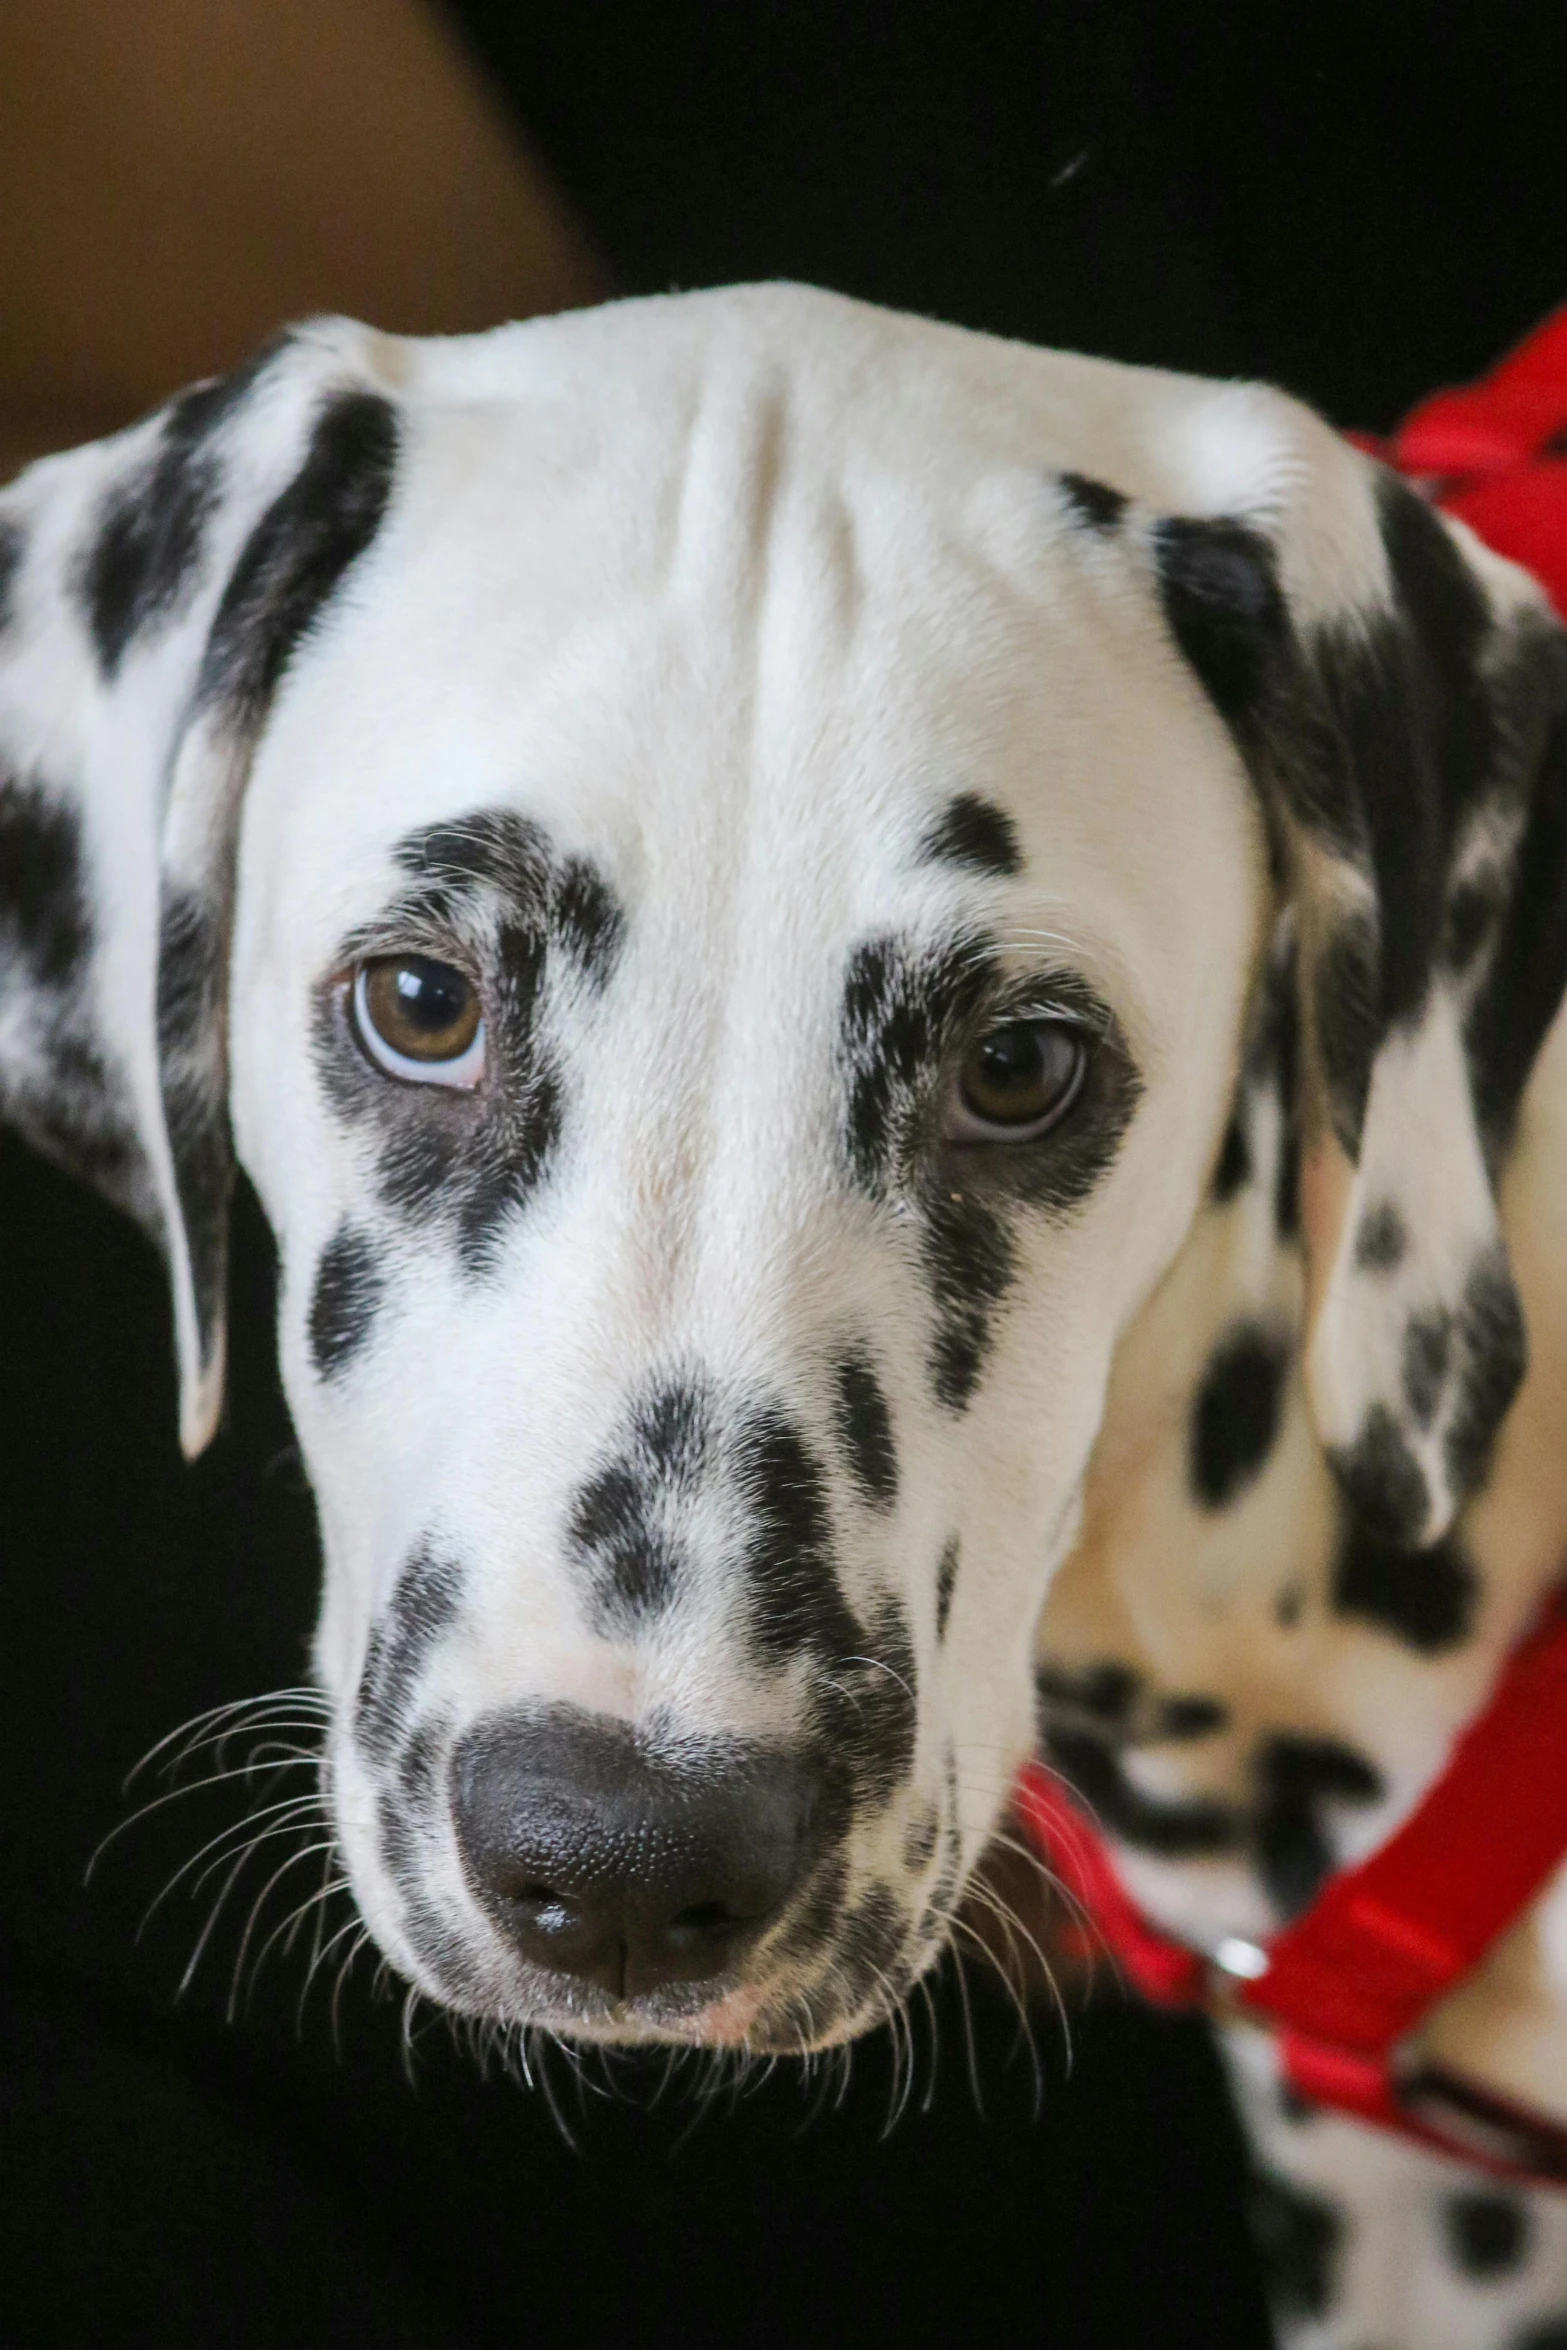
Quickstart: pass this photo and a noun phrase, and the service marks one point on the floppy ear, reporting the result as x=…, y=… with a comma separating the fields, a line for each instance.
x=153, y=589
x=1400, y=697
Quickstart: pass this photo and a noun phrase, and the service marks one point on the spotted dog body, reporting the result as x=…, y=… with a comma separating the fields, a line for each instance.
x=766, y=742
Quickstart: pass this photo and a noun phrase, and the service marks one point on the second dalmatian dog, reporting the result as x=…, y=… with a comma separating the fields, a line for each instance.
x=896, y=1001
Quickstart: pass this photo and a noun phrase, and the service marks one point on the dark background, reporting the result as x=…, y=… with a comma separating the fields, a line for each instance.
x=1360, y=201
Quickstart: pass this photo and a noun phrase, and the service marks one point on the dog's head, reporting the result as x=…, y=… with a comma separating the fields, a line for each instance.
x=713, y=856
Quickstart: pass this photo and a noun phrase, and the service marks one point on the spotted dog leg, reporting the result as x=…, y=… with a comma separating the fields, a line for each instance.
x=1369, y=2243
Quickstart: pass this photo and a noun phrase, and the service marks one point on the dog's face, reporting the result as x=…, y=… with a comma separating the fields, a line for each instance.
x=720, y=1081
x=736, y=863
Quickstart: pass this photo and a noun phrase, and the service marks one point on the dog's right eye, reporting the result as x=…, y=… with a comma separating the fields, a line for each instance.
x=419, y=1020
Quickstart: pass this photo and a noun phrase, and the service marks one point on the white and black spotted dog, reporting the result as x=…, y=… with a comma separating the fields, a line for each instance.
x=876, y=982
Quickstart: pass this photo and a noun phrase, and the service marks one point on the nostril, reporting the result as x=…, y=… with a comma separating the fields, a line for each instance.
x=709, y=1922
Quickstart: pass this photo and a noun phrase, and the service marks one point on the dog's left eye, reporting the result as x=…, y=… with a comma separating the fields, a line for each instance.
x=419, y=1020
x=1018, y=1081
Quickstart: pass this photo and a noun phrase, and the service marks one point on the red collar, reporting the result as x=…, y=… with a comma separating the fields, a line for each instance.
x=1347, y=1984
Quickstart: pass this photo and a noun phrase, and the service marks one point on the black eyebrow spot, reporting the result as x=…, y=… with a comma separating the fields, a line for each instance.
x=946, y=1584
x=1093, y=503
x=1236, y=1414
x=975, y=834
x=297, y=554
x=1426, y=1598
x=1382, y=1239
x=422, y=1609
x=348, y=1289
x=865, y=1431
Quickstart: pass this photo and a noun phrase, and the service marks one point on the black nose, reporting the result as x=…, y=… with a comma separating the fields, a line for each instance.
x=625, y=1866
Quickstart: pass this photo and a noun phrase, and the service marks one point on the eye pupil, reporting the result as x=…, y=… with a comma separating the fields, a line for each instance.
x=417, y=1009
x=1024, y=1074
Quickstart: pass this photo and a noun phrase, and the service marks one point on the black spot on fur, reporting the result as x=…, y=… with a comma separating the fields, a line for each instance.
x=296, y=556
x=946, y=1584
x=1382, y=1239
x=1549, y=2334
x=1521, y=988
x=422, y=1609
x=1298, y=1778
x=1175, y=1828
x=45, y=914
x=1425, y=1598
x=1382, y=1479
x=348, y=1289
x=1427, y=1355
x=1189, y=1717
x=1492, y=1354
x=622, y=1527
x=190, y=982
x=1236, y=1415
x=146, y=549
x=1093, y=503
x=865, y=1431
x=1233, y=1171
x=1298, y=2237
x=976, y=835
x=1218, y=580
x=13, y=545
x=1106, y=1692
x=1487, y=2232
x=1349, y=1023
x=796, y=1603
x=971, y=1261
x=55, y=1086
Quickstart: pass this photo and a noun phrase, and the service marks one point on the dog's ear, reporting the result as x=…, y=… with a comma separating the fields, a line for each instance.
x=1400, y=698
x=153, y=590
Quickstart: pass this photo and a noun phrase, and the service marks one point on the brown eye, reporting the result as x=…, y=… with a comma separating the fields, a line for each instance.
x=419, y=1020
x=1018, y=1081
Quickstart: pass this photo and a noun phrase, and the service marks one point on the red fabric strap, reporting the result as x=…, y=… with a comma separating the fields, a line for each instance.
x=1348, y=1982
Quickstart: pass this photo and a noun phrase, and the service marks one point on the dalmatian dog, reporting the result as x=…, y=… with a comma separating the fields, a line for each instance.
x=895, y=999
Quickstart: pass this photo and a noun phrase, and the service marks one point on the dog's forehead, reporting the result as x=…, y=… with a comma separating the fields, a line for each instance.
x=738, y=612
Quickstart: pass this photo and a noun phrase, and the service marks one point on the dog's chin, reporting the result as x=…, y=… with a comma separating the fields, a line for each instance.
x=760, y=2018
